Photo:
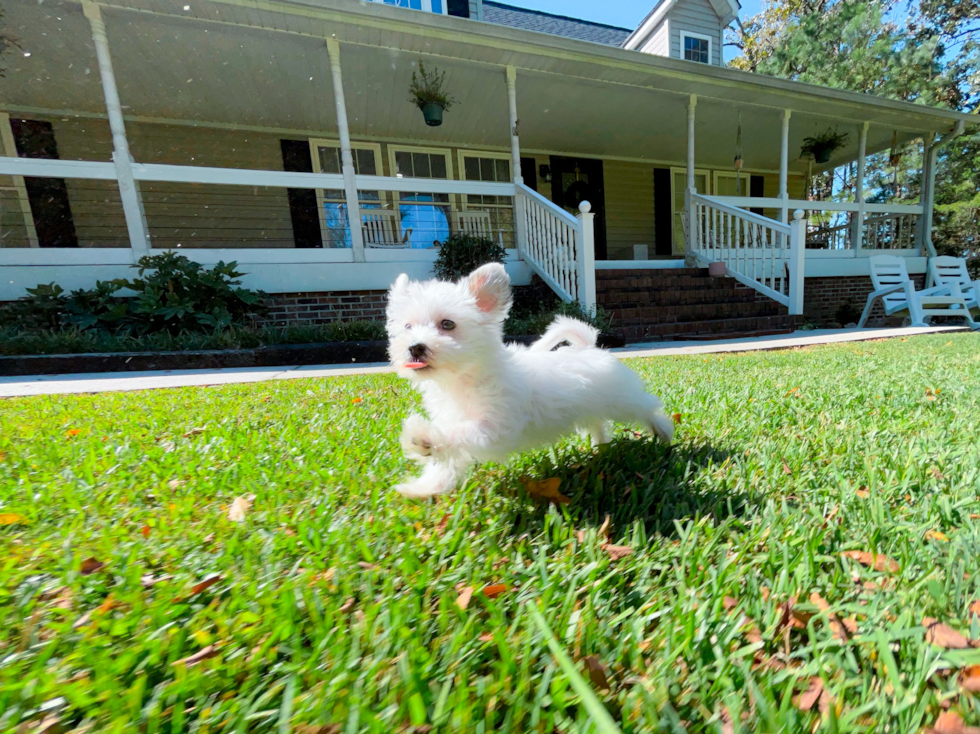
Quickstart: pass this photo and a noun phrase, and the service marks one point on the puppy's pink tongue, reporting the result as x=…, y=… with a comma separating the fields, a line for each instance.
x=415, y=365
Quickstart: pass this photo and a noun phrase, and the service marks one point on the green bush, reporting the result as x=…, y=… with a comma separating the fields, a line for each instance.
x=461, y=254
x=533, y=324
x=172, y=295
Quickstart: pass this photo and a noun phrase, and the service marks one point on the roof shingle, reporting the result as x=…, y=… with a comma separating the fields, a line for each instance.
x=556, y=25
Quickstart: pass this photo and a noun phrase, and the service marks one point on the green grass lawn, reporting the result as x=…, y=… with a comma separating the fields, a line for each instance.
x=333, y=606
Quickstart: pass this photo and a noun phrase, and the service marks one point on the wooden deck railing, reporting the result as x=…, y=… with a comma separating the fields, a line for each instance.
x=757, y=251
x=559, y=247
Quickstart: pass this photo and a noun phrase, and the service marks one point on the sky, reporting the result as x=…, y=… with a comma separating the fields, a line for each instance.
x=624, y=13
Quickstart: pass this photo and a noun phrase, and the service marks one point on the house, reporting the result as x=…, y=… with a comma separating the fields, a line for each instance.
x=607, y=160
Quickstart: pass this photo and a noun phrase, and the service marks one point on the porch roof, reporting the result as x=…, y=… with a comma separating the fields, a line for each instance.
x=263, y=64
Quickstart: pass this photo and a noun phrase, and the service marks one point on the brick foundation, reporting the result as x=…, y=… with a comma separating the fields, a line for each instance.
x=822, y=297
x=322, y=308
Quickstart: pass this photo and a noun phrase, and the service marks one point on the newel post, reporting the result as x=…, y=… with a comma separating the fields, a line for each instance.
x=797, y=262
x=586, y=258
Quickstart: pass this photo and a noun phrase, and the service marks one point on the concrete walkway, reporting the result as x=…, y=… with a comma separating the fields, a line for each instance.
x=123, y=381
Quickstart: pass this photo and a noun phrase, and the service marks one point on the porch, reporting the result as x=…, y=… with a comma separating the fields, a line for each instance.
x=259, y=135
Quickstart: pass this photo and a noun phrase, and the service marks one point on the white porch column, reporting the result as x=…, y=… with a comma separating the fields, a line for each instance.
x=857, y=224
x=925, y=193
x=346, y=156
x=129, y=192
x=691, y=187
x=515, y=143
x=784, y=166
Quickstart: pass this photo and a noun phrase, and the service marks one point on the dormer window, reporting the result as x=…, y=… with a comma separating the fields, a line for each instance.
x=695, y=47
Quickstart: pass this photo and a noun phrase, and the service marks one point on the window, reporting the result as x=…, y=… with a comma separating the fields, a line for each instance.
x=332, y=203
x=425, y=213
x=695, y=47
x=432, y=6
x=492, y=167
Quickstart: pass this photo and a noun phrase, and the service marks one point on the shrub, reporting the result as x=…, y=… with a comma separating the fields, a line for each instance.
x=847, y=313
x=533, y=324
x=461, y=254
x=173, y=295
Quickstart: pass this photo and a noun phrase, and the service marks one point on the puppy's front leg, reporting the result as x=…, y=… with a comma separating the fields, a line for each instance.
x=417, y=438
x=436, y=478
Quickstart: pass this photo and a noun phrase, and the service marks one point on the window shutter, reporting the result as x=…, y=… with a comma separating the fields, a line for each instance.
x=459, y=8
x=48, y=197
x=757, y=187
x=302, y=202
x=528, y=173
x=663, y=238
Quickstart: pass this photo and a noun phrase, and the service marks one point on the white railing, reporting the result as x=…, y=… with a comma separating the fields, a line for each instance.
x=559, y=247
x=890, y=232
x=757, y=251
x=885, y=226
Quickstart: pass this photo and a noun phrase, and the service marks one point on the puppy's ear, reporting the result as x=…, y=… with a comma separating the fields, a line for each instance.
x=490, y=286
x=400, y=283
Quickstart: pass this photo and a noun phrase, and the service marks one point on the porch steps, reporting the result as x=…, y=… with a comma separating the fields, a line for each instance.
x=687, y=303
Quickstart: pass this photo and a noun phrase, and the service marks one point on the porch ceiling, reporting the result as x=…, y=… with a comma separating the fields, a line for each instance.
x=265, y=65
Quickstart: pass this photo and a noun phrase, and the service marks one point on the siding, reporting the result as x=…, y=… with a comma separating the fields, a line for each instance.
x=698, y=17
x=629, y=208
x=658, y=43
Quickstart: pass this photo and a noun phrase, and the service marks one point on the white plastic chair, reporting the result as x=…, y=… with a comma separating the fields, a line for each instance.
x=897, y=293
x=476, y=223
x=946, y=270
x=381, y=229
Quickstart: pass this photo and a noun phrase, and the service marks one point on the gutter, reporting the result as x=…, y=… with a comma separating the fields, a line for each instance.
x=930, y=177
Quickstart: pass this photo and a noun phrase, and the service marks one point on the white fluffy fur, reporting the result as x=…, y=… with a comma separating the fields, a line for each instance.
x=487, y=400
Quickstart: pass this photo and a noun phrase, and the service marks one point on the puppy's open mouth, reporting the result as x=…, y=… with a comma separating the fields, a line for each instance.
x=418, y=365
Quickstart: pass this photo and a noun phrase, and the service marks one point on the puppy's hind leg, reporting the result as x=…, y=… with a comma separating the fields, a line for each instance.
x=598, y=432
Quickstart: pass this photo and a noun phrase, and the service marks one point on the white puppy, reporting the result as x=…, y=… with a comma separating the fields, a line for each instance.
x=486, y=400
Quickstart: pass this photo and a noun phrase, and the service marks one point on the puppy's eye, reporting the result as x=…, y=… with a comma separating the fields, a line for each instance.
x=408, y=326
x=447, y=325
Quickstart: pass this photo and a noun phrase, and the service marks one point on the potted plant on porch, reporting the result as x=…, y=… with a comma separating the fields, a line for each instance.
x=426, y=92
x=821, y=146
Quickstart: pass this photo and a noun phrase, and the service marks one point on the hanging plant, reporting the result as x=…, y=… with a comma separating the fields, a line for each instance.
x=820, y=147
x=895, y=154
x=426, y=92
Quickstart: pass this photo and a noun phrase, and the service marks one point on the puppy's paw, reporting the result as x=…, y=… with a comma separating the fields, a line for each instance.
x=418, y=488
x=416, y=438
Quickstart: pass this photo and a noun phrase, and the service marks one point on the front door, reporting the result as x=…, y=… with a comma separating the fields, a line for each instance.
x=574, y=180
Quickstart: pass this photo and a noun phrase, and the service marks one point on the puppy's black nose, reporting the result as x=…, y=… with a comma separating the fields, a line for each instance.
x=418, y=351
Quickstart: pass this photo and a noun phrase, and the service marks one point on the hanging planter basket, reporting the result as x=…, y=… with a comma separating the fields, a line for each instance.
x=426, y=92
x=432, y=112
x=821, y=147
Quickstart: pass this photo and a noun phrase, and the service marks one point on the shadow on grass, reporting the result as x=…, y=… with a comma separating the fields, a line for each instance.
x=629, y=480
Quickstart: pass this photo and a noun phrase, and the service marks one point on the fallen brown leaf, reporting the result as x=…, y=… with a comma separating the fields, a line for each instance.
x=786, y=469
x=936, y=535
x=863, y=493
x=443, y=524
x=203, y=654
x=970, y=679
x=494, y=590
x=347, y=606
x=597, y=672
x=945, y=636
x=806, y=700
x=603, y=531
x=795, y=392
x=877, y=562
x=12, y=518
x=145, y=531
x=463, y=600
x=193, y=432
x=205, y=583
x=318, y=729
x=546, y=489
x=365, y=565
x=678, y=417
x=838, y=629
x=616, y=552
x=107, y=605
x=975, y=607
x=949, y=722
x=727, y=725
x=239, y=507
x=90, y=566
x=71, y=432
x=486, y=637
x=729, y=603
x=148, y=580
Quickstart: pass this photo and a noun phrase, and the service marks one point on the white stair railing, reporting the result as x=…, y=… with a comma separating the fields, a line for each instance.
x=759, y=252
x=557, y=246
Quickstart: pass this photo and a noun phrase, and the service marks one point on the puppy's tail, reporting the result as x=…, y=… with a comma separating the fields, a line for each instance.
x=566, y=329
